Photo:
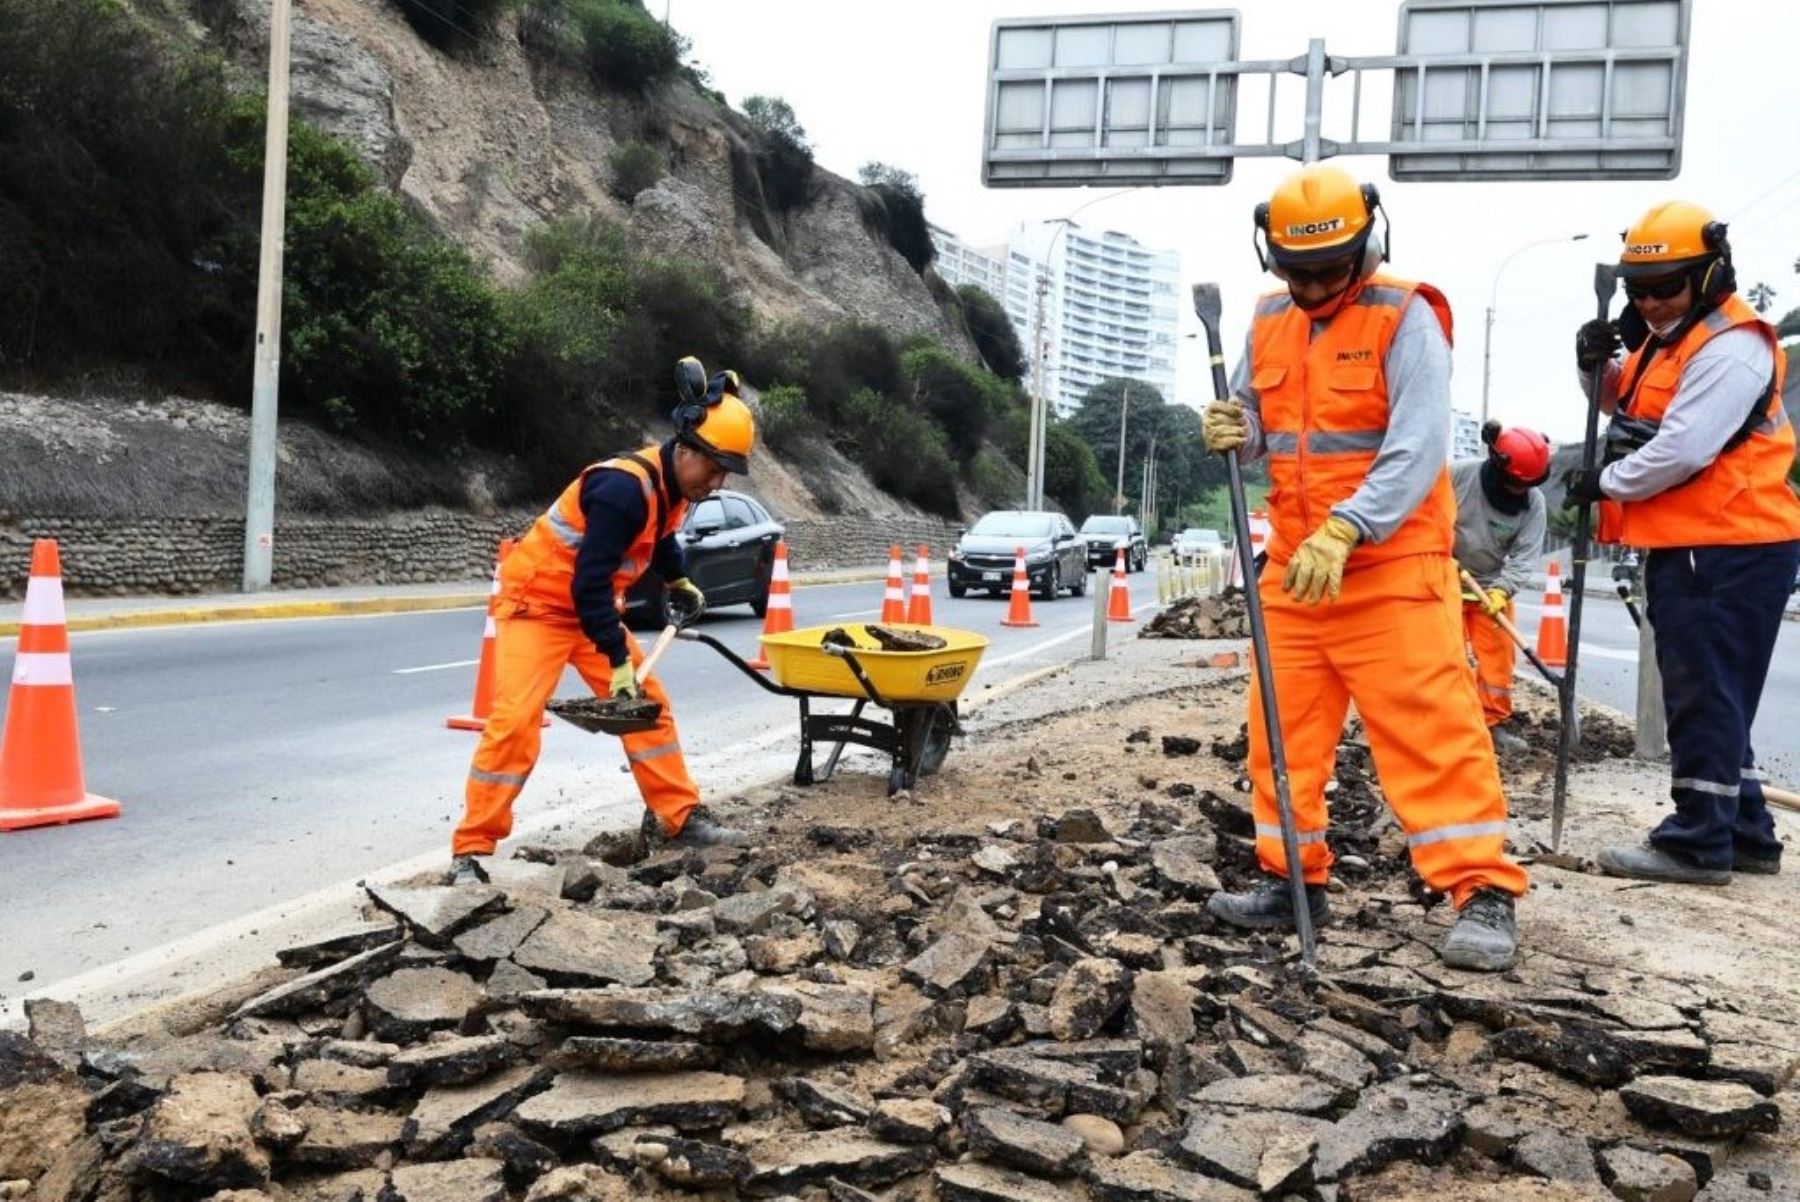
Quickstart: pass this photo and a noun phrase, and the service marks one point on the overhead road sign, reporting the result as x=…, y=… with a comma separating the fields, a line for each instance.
x=1481, y=90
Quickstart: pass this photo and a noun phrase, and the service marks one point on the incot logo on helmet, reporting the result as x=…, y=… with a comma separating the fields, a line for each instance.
x=1305, y=228
x=1647, y=248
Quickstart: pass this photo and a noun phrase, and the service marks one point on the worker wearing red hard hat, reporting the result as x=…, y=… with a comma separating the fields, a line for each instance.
x=1500, y=520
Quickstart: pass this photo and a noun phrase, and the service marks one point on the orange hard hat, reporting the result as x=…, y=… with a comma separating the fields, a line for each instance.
x=1672, y=236
x=714, y=422
x=1316, y=215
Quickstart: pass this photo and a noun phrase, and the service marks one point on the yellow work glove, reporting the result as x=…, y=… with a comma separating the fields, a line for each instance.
x=1224, y=426
x=686, y=601
x=1316, y=568
x=624, y=680
x=1493, y=604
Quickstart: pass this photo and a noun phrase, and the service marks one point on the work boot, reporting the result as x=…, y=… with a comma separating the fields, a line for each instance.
x=700, y=830
x=466, y=870
x=1743, y=861
x=1484, y=936
x=1268, y=906
x=1507, y=740
x=1651, y=863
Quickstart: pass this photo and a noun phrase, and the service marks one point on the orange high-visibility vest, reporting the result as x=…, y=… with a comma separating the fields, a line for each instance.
x=539, y=576
x=1740, y=498
x=1324, y=403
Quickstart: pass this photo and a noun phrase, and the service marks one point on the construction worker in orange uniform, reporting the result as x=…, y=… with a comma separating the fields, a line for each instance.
x=561, y=594
x=1500, y=520
x=1696, y=466
x=1345, y=386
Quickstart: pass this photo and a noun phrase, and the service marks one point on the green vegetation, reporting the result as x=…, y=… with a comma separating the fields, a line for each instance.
x=1184, y=469
x=992, y=332
x=621, y=45
x=450, y=24
x=784, y=163
x=635, y=166
x=1072, y=474
x=899, y=212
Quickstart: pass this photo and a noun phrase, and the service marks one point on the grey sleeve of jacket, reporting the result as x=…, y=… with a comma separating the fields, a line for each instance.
x=1718, y=386
x=1522, y=557
x=1417, y=443
x=1252, y=403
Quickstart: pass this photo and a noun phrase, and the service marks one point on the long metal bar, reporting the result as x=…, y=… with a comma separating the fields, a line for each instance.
x=1315, y=98
x=1207, y=307
x=1604, y=279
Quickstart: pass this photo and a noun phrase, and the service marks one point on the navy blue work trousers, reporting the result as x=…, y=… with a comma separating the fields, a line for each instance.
x=1716, y=612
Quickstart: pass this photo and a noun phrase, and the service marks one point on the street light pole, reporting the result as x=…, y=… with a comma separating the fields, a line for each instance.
x=1487, y=341
x=1119, y=484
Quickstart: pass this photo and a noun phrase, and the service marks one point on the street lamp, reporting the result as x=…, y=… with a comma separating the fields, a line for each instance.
x=1034, y=457
x=1119, y=485
x=1487, y=342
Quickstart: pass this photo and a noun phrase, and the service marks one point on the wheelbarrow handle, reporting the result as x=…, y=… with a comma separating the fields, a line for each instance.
x=737, y=661
x=856, y=670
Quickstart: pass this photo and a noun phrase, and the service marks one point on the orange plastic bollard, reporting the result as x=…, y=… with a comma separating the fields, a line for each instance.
x=1020, y=612
x=778, y=618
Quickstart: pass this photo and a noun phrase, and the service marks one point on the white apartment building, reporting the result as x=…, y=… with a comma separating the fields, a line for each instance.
x=1108, y=303
x=1465, y=436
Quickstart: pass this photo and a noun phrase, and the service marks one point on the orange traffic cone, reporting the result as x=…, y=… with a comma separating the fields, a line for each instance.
x=41, y=783
x=1020, y=613
x=1553, y=630
x=778, y=618
x=918, y=607
x=893, y=602
x=483, y=704
x=1118, y=606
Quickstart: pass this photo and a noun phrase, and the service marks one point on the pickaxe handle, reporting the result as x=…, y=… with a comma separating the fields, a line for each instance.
x=1505, y=623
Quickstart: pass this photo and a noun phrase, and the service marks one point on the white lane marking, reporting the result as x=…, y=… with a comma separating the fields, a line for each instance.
x=851, y=613
x=1608, y=653
x=455, y=663
x=1048, y=643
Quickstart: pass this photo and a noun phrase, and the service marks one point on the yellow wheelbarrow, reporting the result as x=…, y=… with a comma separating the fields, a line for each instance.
x=919, y=688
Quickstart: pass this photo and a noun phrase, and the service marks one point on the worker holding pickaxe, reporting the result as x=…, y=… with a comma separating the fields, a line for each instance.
x=1345, y=388
x=1499, y=533
x=1697, y=459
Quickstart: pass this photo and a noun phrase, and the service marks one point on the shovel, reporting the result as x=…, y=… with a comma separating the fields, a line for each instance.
x=1207, y=307
x=1512, y=632
x=619, y=715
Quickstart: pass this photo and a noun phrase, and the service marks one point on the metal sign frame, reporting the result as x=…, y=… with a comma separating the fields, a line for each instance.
x=1150, y=163
x=1481, y=157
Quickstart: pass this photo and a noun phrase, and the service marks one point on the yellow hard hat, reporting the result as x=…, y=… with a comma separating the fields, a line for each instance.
x=1316, y=215
x=1671, y=236
x=725, y=433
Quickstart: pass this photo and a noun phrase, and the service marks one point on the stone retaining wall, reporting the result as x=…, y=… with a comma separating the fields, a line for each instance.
x=137, y=556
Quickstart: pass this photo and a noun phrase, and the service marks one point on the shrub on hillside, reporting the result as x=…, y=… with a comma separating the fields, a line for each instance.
x=1071, y=473
x=635, y=166
x=901, y=212
x=902, y=451
x=785, y=419
x=618, y=43
x=784, y=161
x=450, y=23
x=963, y=400
x=388, y=327
x=992, y=332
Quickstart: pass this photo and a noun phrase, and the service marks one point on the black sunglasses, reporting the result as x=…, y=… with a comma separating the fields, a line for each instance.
x=1656, y=289
x=1325, y=273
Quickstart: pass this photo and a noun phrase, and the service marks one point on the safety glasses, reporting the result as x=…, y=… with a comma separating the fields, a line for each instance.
x=1659, y=288
x=1325, y=273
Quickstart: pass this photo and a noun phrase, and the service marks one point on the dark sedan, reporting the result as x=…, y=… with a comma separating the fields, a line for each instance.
x=1055, y=558
x=730, y=541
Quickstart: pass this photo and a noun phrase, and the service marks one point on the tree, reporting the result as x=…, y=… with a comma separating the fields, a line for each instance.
x=784, y=162
x=899, y=212
x=1789, y=325
x=1761, y=296
x=1184, y=468
x=1071, y=476
x=775, y=117
x=875, y=173
x=993, y=333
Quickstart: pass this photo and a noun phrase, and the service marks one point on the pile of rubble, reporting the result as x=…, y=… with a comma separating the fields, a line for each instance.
x=1027, y=1010
x=1219, y=617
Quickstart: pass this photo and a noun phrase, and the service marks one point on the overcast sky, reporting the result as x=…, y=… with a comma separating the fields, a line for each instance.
x=905, y=84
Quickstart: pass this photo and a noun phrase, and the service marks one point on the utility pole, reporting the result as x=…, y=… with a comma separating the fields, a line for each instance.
x=1119, y=485
x=1487, y=340
x=259, y=506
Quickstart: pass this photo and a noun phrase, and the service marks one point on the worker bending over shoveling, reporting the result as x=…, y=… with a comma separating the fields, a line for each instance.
x=561, y=594
x=1698, y=455
x=1499, y=534
x=1345, y=386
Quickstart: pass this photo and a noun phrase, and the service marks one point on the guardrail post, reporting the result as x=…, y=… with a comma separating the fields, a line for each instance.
x=1652, y=728
x=1099, y=586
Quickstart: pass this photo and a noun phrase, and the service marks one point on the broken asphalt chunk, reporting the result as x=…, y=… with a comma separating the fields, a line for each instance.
x=582, y=1103
x=711, y=1015
x=1705, y=1109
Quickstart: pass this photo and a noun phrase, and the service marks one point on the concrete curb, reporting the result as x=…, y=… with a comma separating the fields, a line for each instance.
x=344, y=607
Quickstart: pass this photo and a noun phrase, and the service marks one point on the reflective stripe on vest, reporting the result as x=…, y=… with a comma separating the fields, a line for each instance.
x=1740, y=498
x=1324, y=406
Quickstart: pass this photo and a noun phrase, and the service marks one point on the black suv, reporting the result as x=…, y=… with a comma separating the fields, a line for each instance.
x=1105, y=534
x=730, y=541
x=1055, y=557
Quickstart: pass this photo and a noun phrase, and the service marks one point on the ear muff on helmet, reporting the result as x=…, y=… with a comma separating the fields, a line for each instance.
x=1718, y=279
x=690, y=393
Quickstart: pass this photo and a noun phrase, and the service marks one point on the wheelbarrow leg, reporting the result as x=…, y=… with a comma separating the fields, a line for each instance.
x=837, y=749
x=803, y=771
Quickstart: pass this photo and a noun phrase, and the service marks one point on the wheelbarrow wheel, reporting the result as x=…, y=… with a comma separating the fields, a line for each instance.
x=940, y=725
